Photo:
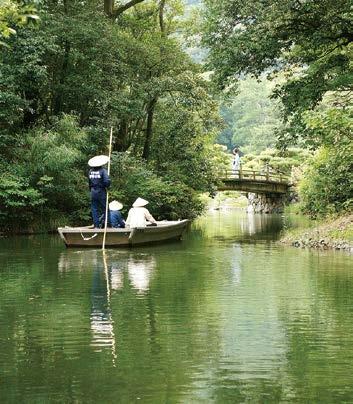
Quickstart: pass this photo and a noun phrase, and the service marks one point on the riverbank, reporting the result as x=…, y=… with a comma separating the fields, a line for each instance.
x=334, y=234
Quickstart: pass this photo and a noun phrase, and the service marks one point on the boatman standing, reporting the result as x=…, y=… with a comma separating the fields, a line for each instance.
x=99, y=181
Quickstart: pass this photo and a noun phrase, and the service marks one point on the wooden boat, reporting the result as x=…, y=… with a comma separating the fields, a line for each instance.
x=89, y=237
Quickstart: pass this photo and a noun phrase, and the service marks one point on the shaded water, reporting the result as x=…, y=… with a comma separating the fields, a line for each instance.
x=227, y=315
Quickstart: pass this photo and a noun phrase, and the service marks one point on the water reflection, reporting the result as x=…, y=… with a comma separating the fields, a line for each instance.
x=227, y=315
x=137, y=268
x=251, y=228
x=79, y=260
x=140, y=272
x=101, y=316
x=240, y=227
x=236, y=265
x=116, y=277
x=111, y=272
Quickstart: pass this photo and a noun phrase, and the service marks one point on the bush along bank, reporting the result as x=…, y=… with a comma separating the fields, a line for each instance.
x=334, y=234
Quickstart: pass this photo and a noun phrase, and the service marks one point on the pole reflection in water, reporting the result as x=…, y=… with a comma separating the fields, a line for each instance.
x=101, y=321
x=226, y=316
x=111, y=272
x=102, y=324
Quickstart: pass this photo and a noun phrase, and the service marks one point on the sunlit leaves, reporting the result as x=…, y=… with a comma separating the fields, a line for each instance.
x=14, y=14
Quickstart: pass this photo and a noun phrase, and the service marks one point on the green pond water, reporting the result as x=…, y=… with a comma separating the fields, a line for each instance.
x=226, y=315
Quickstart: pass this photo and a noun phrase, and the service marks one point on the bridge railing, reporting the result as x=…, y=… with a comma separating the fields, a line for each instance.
x=266, y=174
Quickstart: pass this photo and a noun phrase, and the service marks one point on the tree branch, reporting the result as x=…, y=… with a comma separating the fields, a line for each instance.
x=117, y=12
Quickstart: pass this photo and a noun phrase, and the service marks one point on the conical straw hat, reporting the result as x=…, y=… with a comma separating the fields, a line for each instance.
x=139, y=203
x=115, y=205
x=98, y=161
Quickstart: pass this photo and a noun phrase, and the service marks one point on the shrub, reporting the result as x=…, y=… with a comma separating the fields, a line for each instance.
x=18, y=201
x=169, y=199
x=327, y=185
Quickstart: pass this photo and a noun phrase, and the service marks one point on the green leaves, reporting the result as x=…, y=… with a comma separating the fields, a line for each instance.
x=64, y=84
x=252, y=117
x=309, y=42
x=14, y=14
x=169, y=197
x=18, y=200
x=327, y=186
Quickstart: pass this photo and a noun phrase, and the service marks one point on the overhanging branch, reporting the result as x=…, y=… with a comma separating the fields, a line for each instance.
x=118, y=11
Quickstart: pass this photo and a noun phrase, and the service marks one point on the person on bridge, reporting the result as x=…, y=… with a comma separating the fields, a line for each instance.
x=236, y=159
x=98, y=182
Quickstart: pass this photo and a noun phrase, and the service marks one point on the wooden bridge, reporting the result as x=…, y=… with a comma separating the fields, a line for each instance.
x=267, y=181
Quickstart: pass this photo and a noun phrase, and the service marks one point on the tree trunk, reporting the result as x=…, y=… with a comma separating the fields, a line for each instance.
x=121, y=143
x=58, y=98
x=109, y=7
x=161, y=17
x=149, y=128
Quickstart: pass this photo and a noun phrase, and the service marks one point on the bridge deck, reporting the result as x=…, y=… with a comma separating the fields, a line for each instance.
x=265, y=182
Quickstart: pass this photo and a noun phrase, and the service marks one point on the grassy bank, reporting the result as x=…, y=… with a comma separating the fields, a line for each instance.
x=329, y=234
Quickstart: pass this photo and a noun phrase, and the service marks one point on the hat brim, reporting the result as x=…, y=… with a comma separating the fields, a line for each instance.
x=98, y=161
x=115, y=205
x=139, y=203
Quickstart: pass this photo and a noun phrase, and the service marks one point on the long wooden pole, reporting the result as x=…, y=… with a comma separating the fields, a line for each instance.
x=107, y=201
x=104, y=257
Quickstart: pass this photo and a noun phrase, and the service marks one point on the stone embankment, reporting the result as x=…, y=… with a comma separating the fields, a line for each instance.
x=270, y=203
x=336, y=234
x=261, y=203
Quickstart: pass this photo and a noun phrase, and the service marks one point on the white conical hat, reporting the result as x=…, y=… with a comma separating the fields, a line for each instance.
x=139, y=203
x=115, y=205
x=98, y=161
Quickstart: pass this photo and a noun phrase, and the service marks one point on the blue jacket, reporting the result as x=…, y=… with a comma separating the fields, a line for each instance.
x=116, y=219
x=98, y=179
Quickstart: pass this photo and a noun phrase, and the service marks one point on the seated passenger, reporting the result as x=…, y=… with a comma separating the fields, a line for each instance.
x=115, y=217
x=139, y=215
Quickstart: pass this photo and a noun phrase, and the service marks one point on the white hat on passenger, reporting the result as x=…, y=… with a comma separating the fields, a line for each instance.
x=115, y=205
x=98, y=161
x=139, y=203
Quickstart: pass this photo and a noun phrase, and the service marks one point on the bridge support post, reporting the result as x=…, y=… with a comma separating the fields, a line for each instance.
x=265, y=203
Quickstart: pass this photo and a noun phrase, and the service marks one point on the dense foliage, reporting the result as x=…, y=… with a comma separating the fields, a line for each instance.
x=286, y=162
x=14, y=14
x=65, y=81
x=169, y=198
x=309, y=41
x=251, y=117
x=309, y=45
x=327, y=186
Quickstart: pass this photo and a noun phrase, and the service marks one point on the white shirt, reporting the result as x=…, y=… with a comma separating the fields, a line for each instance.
x=236, y=162
x=137, y=217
